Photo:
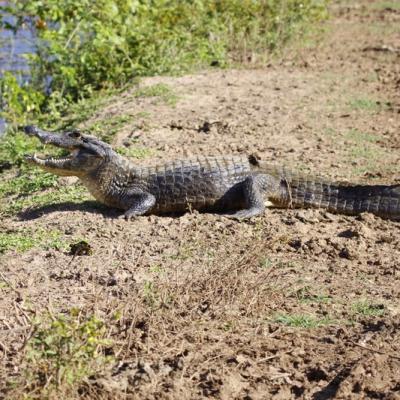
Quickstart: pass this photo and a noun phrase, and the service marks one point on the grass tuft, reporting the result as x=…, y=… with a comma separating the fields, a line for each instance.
x=162, y=91
x=28, y=182
x=52, y=197
x=302, y=321
x=366, y=104
x=134, y=152
x=306, y=295
x=27, y=239
x=386, y=5
x=106, y=129
x=364, y=152
x=365, y=308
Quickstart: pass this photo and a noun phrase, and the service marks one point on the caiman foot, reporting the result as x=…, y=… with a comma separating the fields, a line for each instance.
x=141, y=203
x=129, y=215
x=246, y=214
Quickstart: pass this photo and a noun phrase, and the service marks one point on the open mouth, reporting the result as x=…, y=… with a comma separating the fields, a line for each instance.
x=43, y=160
x=52, y=140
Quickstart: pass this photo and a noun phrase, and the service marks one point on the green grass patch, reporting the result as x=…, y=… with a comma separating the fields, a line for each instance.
x=28, y=238
x=367, y=156
x=106, y=129
x=266, y=263
x=306, y=295
x=364, y=152
x=366, y=104
x=134, y=152
x=365, y=308
x=383, y=5
x=62, y=352
x=280, y=264
x=160, y=90
x=382, y=28
x=157, y=269
x=27, y=182
x=63, y=115
x=359, y=137
x=64, y=194
x=302, y=320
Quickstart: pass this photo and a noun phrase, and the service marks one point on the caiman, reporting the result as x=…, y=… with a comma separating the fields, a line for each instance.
x=237, y=186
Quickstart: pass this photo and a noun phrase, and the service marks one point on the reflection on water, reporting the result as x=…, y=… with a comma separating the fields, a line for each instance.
x=13, y=49
x=2, y=126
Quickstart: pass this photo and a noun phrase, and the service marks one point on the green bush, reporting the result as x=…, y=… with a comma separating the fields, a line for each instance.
x=89, y=45
x=63, y=351
x=17, y=99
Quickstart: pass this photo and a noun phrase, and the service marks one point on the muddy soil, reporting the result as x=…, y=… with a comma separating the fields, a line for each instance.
x=293, y=304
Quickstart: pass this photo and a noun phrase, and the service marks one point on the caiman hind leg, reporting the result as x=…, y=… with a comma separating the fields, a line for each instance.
x=139, y=203
x=256, y=189
x=253, y=196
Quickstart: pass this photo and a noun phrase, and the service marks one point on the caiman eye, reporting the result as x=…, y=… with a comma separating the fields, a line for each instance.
x=75, y=134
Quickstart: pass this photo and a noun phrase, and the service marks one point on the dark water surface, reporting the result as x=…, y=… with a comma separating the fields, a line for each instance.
x=13, y=51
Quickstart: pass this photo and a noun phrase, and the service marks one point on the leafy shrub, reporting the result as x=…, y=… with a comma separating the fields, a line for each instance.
x=17, y=99
x=14, y=145
x=84, y=46
x=64, y=350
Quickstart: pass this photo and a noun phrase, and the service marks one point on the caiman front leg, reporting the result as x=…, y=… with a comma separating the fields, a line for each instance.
x=139, y=203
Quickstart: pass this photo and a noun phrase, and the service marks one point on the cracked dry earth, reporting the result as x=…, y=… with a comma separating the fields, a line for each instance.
x=209, y=307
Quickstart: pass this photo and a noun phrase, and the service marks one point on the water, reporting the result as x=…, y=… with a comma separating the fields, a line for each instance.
x=13, y=49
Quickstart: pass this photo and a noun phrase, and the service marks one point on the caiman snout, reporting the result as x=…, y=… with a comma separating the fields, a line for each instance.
x=31, y=130
x=43, y=136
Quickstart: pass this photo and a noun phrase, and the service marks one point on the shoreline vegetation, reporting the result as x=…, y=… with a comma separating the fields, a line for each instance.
x=85, y=49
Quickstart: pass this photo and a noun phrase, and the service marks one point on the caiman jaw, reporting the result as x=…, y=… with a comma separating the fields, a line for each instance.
x=86, y=152
x=51, y=161
x=59, y=166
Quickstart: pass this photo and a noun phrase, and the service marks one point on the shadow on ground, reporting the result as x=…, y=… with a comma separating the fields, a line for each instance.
x=86, y=206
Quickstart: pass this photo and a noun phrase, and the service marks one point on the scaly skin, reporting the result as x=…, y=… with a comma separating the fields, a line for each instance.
x=235, y=185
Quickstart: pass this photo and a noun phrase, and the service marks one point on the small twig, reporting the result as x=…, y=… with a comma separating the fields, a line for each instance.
x=27, y=338
x=4, y=348
x=383, y=48
x=8, y=282
x=270, y=358
x=72, y=35
x=27, y=317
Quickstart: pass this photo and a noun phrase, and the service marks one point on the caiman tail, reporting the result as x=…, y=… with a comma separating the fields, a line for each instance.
x=381, y=200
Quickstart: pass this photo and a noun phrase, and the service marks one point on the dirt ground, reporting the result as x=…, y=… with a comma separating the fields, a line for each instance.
x=296, y=304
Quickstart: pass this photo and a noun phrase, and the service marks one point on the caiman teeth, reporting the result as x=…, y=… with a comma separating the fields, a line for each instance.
x=38, y=160
x=58, y=160
x=53, y=160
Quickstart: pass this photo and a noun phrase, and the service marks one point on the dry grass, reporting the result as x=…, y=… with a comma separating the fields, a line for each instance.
x=204, y=322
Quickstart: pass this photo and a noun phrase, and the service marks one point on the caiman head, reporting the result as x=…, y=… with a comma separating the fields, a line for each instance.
x=87, y=153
